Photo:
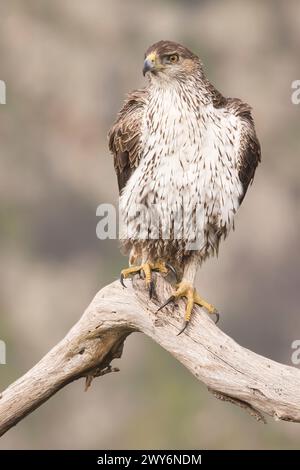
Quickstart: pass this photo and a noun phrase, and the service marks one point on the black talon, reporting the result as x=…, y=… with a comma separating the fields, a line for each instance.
x=122, y=280
x=184, y=327
x=170, y=299
x=141, y=274
x=217, y=317
x=173, y=270
x=151, y=289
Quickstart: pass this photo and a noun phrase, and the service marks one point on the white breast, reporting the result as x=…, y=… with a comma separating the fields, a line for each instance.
x=189, y=160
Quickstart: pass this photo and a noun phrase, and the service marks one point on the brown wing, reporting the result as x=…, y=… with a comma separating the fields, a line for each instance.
x=124, y=136
x=249, y=152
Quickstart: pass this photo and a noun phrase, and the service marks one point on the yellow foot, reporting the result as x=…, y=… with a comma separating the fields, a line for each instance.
x=146, y=269
x=185, y=289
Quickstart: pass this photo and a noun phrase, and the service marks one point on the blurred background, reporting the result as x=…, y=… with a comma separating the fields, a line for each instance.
x=67, y=66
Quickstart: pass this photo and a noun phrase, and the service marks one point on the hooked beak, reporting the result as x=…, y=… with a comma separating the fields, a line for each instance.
x=149, y=63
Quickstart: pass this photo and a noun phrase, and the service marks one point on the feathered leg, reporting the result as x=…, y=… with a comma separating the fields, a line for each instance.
x=186, y=288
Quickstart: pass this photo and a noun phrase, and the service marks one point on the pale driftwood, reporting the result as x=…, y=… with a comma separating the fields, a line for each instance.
x=230, y=371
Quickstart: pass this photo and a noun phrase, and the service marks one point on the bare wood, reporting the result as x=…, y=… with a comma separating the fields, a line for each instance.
x=230, y=371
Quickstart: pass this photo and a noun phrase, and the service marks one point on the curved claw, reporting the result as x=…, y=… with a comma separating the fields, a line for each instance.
x=169, y=300
x=151, y=289
x=173, y=270
x=184, y=327
x=141, y=273
x=217, y=317
x=122, y=280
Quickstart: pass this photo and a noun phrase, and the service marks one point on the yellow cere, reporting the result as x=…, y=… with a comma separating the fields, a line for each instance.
x=151, y=57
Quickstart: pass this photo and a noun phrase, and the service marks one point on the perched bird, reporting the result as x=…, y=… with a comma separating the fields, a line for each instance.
x=184, y=156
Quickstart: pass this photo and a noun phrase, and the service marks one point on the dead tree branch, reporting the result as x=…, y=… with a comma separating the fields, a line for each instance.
x=230, y=372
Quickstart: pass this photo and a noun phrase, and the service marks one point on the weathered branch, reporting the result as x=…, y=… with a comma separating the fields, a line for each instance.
x=230, y=371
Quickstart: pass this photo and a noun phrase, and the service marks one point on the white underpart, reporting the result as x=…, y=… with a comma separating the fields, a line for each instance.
x=189, y=160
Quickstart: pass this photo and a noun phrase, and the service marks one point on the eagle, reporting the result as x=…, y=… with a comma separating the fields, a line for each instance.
x=184, y=156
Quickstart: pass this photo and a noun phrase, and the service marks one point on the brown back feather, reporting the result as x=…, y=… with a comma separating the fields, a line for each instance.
x=124, y=136
x=250, y=150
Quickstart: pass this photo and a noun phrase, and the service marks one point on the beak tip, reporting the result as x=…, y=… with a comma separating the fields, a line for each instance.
x=148, y=66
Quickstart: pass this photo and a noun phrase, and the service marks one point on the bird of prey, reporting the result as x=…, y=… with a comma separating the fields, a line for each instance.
x=184, y=156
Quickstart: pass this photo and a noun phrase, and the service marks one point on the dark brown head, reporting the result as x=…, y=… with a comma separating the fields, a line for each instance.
x=167, y=59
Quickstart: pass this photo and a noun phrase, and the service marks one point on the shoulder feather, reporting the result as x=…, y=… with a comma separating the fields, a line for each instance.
x=124, y=136
x=249, y=150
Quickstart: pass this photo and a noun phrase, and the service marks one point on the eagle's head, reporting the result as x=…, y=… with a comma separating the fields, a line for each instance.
x=170, y=60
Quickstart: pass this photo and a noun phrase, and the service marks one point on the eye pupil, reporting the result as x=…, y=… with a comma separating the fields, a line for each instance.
x=170, y=58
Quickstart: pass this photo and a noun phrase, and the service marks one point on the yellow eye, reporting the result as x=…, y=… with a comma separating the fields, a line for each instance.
x=173, y=58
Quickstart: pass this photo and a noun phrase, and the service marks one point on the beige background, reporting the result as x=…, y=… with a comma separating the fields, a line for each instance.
x=67, y=66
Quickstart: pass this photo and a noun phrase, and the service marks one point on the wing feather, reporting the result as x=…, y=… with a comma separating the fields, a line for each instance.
x=125, y=136
x=249, y=151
